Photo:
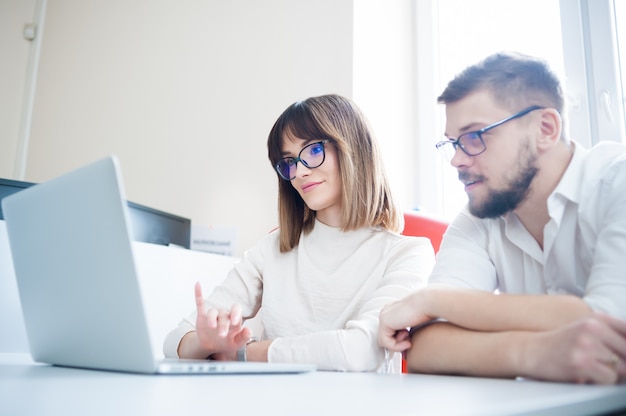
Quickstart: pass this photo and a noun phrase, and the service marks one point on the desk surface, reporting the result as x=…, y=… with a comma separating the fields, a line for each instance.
x=34, y=389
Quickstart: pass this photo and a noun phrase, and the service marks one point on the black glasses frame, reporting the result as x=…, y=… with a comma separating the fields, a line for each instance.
x=458, y=142
x=293, y=161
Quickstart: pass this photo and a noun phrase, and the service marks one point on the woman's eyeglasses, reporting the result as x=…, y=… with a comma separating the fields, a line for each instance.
x=311, y=156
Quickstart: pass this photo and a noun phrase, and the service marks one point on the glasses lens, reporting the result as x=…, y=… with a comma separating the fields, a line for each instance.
x=313, y=155
x=472, y=143
x=446, y=149
x=286, y=168
x=310, y=156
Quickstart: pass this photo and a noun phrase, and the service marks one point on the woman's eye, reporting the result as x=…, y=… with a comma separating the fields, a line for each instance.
x=316, y=149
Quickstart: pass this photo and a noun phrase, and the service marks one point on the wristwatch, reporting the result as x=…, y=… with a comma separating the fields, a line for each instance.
x=242, y=352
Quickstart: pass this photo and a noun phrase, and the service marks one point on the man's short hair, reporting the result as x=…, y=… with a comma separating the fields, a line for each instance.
x=515, y=80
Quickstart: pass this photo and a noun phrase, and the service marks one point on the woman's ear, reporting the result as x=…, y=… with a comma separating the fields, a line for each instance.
x=550, y=128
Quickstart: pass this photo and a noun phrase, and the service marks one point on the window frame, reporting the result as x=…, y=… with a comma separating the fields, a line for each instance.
x=592, y=70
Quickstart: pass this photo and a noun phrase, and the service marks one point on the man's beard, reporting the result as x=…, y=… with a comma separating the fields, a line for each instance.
x=500, y=202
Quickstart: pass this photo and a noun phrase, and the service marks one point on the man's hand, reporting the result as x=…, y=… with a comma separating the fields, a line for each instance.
x=590, y=350
x=397, y=318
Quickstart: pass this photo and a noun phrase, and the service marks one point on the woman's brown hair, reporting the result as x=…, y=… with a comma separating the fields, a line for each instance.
x=366, y=197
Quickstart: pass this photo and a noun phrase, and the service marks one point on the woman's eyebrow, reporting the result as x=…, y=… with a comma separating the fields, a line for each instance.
x=305, y=143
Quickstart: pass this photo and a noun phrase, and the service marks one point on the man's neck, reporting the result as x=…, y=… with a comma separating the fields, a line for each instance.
x=533, y=212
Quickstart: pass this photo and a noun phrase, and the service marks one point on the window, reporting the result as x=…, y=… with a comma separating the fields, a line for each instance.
x=620, y=26
x=592, y=69
x=468, y=32
x=577, y=38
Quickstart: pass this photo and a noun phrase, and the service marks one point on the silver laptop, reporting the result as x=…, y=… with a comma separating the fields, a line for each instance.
x=80, y=293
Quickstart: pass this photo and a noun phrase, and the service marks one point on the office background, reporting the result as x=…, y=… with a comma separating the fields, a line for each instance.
x=185, y=92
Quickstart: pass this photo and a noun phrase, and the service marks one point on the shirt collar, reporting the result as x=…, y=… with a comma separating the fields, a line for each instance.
x=570, y=184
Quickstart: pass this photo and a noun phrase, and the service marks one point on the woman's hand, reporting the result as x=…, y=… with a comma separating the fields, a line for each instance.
x=219, y=333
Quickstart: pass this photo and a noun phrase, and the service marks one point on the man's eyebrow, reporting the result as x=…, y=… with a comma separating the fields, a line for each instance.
x=473, y=126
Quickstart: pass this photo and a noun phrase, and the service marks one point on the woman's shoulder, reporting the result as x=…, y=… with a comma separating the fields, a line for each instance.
x=399, y=241
x=268, y=244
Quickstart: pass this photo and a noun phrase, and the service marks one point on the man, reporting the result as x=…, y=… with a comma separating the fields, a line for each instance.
x=530, y=279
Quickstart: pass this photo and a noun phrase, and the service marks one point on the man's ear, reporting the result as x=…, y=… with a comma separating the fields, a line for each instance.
x=551, y=126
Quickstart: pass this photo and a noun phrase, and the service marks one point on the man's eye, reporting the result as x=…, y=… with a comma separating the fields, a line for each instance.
x=472, y=136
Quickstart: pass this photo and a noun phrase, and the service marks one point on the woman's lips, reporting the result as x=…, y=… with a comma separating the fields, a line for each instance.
x=309, y=186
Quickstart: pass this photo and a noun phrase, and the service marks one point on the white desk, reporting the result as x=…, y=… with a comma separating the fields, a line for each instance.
x=167, y=276
x=33, y=389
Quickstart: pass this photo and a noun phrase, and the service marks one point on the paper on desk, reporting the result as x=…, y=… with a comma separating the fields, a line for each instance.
x=214, y=239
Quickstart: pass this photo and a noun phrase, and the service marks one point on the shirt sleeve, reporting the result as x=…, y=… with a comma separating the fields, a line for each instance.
x=606, y=287
x=463, y=259
x=355, y=347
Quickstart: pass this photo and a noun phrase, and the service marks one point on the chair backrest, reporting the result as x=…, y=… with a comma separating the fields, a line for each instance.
x=419, y=224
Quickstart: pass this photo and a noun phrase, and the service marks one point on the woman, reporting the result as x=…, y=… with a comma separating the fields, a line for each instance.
x=320, y=280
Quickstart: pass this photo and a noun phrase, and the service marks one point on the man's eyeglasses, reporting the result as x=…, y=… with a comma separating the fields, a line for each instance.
x=311, y=156
x=472, y=143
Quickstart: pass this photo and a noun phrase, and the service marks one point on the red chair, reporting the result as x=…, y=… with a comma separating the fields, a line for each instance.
x=419, y=224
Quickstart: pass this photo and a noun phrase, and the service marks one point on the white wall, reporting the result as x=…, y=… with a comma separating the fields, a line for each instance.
x=183, y=92
x=14, y=50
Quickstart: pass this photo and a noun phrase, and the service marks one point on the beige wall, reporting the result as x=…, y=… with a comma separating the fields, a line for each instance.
x=185, y=93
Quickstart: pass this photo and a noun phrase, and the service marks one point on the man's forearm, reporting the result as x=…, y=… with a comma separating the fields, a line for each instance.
x=443, y=348
x=589, y=350
x=484, y=311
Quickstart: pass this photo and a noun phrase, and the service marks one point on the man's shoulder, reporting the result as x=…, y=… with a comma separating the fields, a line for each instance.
x=604, y=154
x=468, y=224
x=604, y=161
